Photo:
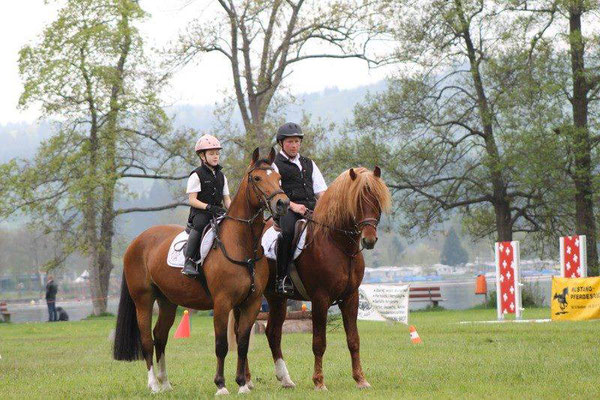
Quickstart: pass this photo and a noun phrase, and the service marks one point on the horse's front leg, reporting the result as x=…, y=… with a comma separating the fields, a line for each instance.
x=277, y=312
x=349, y=308
x=247, y=315
x=220, y=319
x=232, y=333
x=320, y=305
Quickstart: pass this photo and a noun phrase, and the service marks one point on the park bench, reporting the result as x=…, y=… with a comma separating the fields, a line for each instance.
x=4, y=312
x=429, y=293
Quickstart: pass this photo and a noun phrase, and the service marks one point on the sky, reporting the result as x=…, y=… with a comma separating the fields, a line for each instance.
x=201, y=83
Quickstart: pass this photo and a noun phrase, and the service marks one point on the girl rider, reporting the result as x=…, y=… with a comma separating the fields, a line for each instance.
x=207, y=190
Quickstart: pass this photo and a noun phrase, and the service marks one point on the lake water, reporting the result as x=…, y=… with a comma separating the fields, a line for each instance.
x=457, y=295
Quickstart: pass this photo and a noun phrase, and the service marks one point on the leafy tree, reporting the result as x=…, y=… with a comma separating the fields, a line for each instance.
x=263, y=41
x=452, y=252
x=570, y=28
x=90, y=73
x=449, y=132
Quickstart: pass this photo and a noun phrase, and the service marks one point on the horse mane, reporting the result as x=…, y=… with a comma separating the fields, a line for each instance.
x=338, y=205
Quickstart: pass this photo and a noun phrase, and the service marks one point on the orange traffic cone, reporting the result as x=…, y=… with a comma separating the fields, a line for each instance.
x=183, y=330
x=414, y=336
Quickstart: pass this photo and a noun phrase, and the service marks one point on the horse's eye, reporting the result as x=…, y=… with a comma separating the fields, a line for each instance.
x=257, y=178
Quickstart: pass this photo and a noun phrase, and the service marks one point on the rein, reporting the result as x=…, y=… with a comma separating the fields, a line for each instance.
x=265, y=204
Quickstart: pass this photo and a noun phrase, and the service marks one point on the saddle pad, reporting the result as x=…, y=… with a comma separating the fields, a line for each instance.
x=176, y=255
x=269, y=240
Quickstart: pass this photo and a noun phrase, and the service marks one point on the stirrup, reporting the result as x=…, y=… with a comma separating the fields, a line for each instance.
x=285, y=286
x=190, y=268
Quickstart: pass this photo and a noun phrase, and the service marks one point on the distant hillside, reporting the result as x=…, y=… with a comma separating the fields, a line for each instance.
x=21, y=140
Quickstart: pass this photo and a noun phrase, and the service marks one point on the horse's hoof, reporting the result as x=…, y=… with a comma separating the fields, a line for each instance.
x=363, y=385
x=320, y=388
x=222, y=391
x=250, y=385
x=154, y=388
x=244, y=389
x=287, y=383
x=166, y=387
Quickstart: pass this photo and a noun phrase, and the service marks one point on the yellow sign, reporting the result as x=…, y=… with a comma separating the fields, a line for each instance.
x=575, y=299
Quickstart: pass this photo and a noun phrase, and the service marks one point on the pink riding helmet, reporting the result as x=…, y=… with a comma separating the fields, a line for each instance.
x=208, y=142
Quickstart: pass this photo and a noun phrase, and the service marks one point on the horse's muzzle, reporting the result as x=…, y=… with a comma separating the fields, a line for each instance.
x=369, y=242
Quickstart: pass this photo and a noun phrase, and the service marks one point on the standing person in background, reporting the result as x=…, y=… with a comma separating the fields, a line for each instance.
x=51, y=290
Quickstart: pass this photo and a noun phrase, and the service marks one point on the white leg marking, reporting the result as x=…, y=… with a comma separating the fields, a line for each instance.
x=152, y=382
x=162, y=375
x=244, y=389
x=363, y=385
x=250, y=384
x=282, y=374
x=222, y=391
x=321, y=388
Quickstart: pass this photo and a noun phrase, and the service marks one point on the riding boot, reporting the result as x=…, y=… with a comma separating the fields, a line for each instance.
x=283, y=284
x=191, y=267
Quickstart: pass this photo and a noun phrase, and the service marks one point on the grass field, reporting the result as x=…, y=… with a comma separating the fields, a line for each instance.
x=515, y=361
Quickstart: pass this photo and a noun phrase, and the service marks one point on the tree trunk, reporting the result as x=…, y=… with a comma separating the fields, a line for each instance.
x=585, y=222
x=109, y=138
x=501, y=201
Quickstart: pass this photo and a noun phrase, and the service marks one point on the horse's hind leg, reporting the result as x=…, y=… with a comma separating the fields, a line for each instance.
x=320, y=305
x=144, y=303
x=166, y=316
x=220, y=319
x=349, y=308
x=277, y=311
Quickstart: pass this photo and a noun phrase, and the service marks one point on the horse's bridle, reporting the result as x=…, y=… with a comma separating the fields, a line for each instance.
x=265, y=202
x=352, y=233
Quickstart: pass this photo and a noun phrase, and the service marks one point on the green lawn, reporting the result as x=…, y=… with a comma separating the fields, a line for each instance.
x=516, y=361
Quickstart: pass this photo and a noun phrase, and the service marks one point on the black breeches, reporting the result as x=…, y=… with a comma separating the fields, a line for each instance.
x=287, y=223
x=199, y=222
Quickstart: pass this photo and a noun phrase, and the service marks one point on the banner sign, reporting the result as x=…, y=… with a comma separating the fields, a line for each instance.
x=508, y=286
x=575, y=299
x=573, y=258
x=383, y=303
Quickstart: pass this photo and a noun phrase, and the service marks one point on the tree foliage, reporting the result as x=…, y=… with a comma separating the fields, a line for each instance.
x=263, y=41
x=453, y=253
x=90, y=74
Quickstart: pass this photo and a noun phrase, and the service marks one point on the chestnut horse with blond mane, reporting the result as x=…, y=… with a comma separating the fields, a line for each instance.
x=331, y=266
x=236, y=274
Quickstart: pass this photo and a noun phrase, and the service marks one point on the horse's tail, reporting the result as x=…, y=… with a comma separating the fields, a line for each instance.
x=128, y=342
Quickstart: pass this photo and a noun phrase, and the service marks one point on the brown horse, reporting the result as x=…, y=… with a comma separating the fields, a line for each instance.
x=331, y=266
x=236, y=275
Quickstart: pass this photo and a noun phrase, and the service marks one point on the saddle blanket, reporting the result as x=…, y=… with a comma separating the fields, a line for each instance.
x=176, y=255
x=269, y=240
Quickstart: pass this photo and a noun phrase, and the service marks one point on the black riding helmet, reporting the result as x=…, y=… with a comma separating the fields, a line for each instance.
x=289, y=129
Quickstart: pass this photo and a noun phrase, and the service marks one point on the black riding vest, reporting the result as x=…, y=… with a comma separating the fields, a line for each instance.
x=211, y=187
x=297, y=185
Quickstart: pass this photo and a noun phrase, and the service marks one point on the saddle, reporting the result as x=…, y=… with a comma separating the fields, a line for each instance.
x=176, y=254
x=190, y=226
x=298, y=229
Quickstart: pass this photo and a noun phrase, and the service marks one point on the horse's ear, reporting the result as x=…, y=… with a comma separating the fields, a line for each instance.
x=255, y=155
x=352, y=174
x=272, y=156
x=377, y=171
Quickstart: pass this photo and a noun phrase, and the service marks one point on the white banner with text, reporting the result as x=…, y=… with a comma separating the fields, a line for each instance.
x=383, y=302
